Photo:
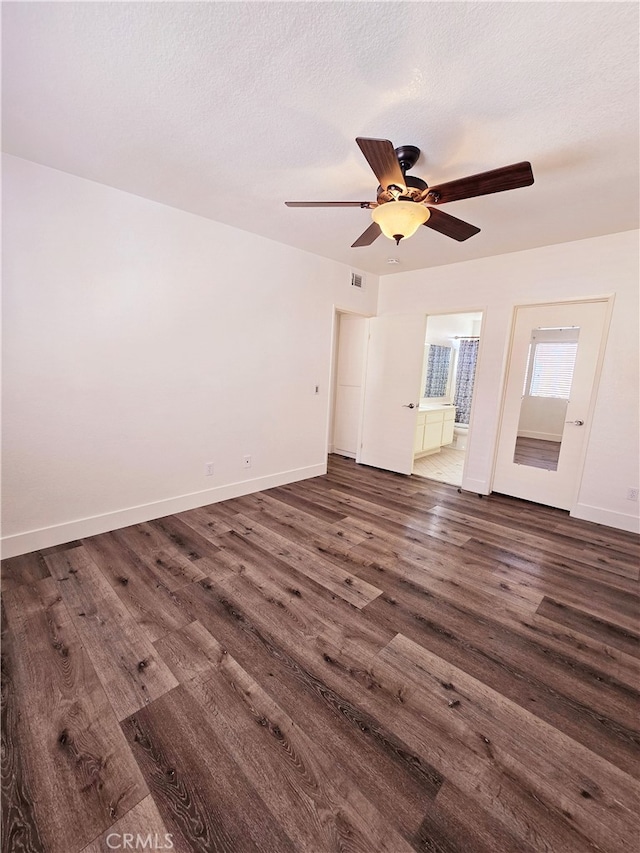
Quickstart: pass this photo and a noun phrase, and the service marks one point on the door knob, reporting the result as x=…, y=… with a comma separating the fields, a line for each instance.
x=577, y=423
x=408, y=405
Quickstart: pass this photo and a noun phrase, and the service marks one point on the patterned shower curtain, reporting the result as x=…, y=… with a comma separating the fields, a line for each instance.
x=437, y=371
x=465, y=374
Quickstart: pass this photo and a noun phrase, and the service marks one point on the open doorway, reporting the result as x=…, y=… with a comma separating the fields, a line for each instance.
x=444, y=414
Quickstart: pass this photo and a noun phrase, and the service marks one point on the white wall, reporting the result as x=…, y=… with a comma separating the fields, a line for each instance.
x=586, y=268
x=442, y=329
x=141, y=342
x=542, y=417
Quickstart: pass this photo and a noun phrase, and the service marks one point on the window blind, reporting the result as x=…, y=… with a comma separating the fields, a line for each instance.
x=551, y=373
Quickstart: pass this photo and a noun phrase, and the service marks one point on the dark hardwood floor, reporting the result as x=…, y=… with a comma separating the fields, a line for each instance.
x=357, y=662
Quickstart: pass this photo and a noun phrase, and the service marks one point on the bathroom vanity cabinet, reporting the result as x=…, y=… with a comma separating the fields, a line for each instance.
x=434, y=428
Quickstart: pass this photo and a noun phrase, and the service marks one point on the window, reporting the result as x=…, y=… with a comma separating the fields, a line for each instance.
x=550, y=369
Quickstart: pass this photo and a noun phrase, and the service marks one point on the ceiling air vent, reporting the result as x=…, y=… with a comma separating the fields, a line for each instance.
x=356, y=279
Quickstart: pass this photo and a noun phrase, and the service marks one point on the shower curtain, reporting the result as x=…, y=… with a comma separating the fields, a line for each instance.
x=465, y=373
x=437, y=371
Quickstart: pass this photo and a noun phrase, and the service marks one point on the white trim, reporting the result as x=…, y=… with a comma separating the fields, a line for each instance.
x=46, y=537
x=480, y=487
x=608, y=517
x=363, y=387
x=346, y=453
x=541, y=436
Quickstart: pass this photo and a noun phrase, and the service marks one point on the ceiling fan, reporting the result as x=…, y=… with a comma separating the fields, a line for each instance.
x=404, y=202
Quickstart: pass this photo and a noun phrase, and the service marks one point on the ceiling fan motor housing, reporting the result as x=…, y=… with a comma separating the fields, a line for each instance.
x=407, y=158
x=415, y=187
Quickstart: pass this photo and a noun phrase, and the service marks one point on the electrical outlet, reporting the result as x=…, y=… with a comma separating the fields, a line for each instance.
x=246, y=461
x=208, y=469
x=632, y=494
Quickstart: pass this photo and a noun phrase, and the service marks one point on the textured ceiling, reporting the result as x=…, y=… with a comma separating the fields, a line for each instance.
x=229, y=109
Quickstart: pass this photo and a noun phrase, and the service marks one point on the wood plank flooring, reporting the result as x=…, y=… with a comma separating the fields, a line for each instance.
x=537, y=453
x=357, y=662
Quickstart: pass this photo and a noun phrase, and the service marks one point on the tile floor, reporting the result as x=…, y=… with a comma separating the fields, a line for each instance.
x=445, y=466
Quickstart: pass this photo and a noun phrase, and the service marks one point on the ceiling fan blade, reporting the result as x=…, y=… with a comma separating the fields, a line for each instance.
x=364, y=204
x=367, y=237
x=495, y=181
x=449, y=225
x=381, y=156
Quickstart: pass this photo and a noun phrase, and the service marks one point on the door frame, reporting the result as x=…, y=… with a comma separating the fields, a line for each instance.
x=608, y=299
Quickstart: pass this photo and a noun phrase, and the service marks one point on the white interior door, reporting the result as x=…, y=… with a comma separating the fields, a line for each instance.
x=540, y=457
x=349, y=383
x=392, y=391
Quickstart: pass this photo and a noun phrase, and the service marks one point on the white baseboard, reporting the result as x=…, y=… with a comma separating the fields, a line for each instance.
x=478, y=486
x=620, y=520
x=542, y=436
x=347, y=453
x=58, y=534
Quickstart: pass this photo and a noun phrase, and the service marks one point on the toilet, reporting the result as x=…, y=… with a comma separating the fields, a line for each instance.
x=460, y=433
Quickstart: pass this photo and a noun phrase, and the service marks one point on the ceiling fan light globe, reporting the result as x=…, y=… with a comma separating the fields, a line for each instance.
x=400, y=219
